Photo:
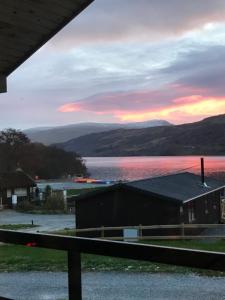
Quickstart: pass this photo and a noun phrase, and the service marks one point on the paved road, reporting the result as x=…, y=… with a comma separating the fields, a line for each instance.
x=113, y=286
x=46, y=222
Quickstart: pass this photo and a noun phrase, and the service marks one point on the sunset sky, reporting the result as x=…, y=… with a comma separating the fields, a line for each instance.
x=124, y=61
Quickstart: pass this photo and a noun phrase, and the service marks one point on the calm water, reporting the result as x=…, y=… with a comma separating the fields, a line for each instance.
x=130, y=168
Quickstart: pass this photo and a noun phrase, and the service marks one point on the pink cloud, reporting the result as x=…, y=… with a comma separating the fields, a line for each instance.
x=69, y=107
x=146, y=104
x=188, y=99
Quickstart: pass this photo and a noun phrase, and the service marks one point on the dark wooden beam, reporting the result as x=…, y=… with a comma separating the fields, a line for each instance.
x=25, y=26
x=74, y=11
x=167, y=255
x=74, y=275
x=3, y=85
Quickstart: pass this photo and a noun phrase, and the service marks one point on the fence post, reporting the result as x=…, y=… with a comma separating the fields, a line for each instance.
x=140, y=231
x=74, y=275
x=182, y=230
x=102, y=232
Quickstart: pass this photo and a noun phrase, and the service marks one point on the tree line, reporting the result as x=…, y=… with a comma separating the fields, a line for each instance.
x=17, y=151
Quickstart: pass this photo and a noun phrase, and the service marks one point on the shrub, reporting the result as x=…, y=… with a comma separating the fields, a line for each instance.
x=48, y=191
x=55, y=203
x=24, y=205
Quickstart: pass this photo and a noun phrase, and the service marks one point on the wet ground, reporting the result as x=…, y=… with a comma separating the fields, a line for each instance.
x=113, y=286
x=45, y=222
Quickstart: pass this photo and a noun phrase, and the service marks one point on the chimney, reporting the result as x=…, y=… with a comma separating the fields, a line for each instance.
x=203, y=173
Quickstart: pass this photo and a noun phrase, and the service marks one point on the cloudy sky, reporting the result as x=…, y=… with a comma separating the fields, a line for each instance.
x=123, y=61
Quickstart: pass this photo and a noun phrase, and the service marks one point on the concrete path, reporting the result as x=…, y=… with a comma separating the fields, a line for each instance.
x=113, y=286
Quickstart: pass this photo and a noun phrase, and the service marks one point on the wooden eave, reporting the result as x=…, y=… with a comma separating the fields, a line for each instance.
x=2, y=84
x=26, y=25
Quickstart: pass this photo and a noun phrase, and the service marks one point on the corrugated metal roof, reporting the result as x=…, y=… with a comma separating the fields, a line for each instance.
x=181, y=187
x=26, y=25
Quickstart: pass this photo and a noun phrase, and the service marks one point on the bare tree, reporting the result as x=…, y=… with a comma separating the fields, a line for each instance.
x=13, y=137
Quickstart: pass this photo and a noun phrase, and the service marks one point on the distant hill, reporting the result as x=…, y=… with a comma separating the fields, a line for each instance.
x=59, y=134
x=206, y=137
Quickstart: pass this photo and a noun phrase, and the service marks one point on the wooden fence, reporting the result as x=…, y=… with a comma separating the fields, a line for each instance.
x=182, y=228
x=74, y=246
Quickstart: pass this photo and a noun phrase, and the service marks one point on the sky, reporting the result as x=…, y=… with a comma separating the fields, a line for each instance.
x=125, y=61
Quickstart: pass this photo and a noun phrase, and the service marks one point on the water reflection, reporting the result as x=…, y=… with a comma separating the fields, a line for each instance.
x=130, y=168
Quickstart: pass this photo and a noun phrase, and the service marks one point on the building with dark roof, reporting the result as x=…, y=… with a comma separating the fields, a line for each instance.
x=181, y=187
x=172, y=199
x=15, y=187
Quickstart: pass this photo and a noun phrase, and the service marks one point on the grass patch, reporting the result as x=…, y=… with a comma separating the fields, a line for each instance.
x=20, y=258
x=17, y=226
x=65, y=231
x=92, y=262
x=44, y=212
x=207, y=245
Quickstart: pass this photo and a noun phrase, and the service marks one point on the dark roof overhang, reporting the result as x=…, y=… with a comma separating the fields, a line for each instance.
x=99, y=191
x=174, y=200
x=204, y=194
x=26, y=25
x=124, y=187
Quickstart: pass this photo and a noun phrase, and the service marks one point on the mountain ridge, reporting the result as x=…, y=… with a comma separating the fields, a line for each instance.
x=50, y=135
x=203, y=137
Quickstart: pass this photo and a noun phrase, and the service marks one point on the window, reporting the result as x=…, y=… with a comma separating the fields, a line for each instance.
x=191, y=212
x=9, y=193
x=181, y=210
x=206, y=207
x=20, y=192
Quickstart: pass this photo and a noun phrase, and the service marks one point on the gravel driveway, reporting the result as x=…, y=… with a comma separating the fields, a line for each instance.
x=113, y=286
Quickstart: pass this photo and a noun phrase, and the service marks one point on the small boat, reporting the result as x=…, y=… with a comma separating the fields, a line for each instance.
x=92, y=180
x=84, y=180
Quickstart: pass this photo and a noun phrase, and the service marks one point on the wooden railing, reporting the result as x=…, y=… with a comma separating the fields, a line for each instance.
x=182, y=228
x=74, y=246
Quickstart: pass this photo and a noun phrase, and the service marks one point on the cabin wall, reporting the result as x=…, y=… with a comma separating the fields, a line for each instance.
x=124, y=208
x=22, y=194
x=203, y=210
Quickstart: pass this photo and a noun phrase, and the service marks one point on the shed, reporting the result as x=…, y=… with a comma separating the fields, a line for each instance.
x=17, y=184
x=172, y=199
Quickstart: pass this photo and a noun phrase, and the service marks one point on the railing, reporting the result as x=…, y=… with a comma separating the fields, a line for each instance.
x=76, y=245
x=181, y=228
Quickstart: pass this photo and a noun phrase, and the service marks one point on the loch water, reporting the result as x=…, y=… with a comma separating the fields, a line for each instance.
x=132, y=168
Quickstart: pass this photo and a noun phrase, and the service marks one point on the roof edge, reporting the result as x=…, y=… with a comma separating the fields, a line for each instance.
x=76, y=11
x=3, y=84
x=100, y=190
x=201, y=195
